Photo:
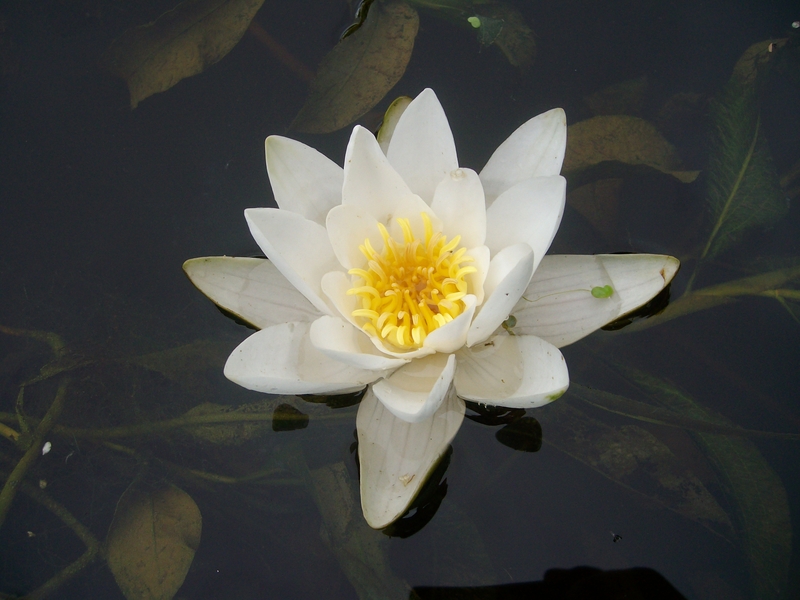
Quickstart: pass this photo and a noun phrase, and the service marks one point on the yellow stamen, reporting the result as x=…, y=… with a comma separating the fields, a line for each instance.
x=412, y=287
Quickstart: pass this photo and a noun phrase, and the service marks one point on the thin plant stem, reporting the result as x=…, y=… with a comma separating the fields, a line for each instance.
x=33, y=452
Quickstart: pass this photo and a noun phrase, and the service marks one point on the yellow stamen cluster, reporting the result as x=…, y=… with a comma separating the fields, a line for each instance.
x=412, y=287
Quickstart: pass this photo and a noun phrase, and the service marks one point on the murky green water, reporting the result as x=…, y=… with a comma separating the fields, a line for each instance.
x=642, y=463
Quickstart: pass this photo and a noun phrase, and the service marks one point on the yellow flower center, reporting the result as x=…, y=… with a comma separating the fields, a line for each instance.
x=412, y=287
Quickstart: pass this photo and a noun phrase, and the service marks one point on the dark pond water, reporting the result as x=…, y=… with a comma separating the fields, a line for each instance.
x=100, y=205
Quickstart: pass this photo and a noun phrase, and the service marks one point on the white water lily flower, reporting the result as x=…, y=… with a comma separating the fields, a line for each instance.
x=421, y=279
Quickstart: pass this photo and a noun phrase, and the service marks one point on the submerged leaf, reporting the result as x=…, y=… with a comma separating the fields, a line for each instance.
x=623, y=98
x=152, y=541
x=623, y=139
x=755, y=488
x=515, y=39
x=180, y=43
x=743, y=186
x=636, y=459
x=361, y=69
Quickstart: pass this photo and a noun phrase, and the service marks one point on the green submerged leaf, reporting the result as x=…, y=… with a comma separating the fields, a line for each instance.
x=361, y=69
x=762, y=508
x=744, y=190
x=634, y=458
x=180, y=43
x=152, y=541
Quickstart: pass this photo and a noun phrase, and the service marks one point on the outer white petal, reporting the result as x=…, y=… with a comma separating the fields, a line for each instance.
x=370, y=183
x=509, y=274
x=390, y=119
x=303, y=180
x=335, y=285
x=345, y=343
x=529, y=212
x=282, y=360
x=251, y=288
x=415, y=391
x=397, y=457
x=520, y=371
x=459, y=203
x=299, y=248
x=535, y=149
x=559, y=307
x=422, y=149
x=453, y=335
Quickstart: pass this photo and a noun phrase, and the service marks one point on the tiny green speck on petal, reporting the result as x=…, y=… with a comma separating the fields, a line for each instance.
x=605, y=291
x=474, y=21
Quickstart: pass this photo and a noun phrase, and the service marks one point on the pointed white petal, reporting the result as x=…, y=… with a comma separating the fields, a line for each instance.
x=343, y=342
x=415, y=391
x=459, y=203
x=559, y=307
x=529, y=212
x=303, y=180
x=397, y=457
x=422, y=149
x=519, y=371
x=251, y=288
x=390, y=119
x=535, y=149
x=299, y=248
x=509, y=274
x=370, y=183
x=282, y=360
x=453, y=335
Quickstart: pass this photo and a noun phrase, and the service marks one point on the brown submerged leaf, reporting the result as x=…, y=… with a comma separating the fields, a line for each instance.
x=180, y=43
x=152, y=541
x=360, y=70
x=620, y=138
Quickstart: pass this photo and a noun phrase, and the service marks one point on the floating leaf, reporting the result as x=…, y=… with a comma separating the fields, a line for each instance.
x=761, y=504
x=743, y=186
x=180, y=43
x=636, y=459
x=623, y=139
x=361, y=69
x=152, y=541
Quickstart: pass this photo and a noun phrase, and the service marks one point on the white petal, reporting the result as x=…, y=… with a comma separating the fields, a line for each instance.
x=251, y=288
x=476, y=280
x=390, y=119
x=303, y=180
x=397, y=457
x=343, y=342
x=422, y=149
x=453, y=335
x=509, y=274
x=535, y=149
x=370, y=182
x=282, y=360
x=299, y=248
x=558, y=305
x=459, y=203
x=519, y=371
x=415, y=391
x=529, y=212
